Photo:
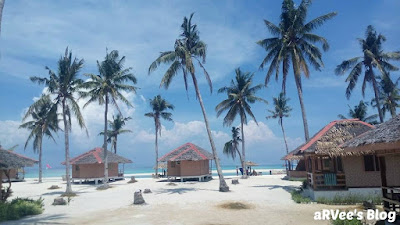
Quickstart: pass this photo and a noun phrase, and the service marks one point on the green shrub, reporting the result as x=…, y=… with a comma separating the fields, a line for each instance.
x=20, y=207
x=298, y=197
x=350, y=199
x=354, y=221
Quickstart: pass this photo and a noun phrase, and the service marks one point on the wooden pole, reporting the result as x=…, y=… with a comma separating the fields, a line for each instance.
x=382, y=163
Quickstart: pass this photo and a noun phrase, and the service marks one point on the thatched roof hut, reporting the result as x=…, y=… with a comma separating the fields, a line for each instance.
x=12, y=160
x=385, y=136
x=96, y=155
x=187, y=151
x=328, y=140
x=188, y=161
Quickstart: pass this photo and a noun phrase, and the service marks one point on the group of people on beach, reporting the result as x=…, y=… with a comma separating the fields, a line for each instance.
x=248, y=171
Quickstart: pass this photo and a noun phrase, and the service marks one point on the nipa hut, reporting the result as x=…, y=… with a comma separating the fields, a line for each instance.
x=11, y=161
x=380, y=149
x=187, y=162
x=328, y=172
x=89, y=166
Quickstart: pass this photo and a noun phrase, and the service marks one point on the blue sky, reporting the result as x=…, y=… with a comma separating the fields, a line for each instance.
x=36, y=33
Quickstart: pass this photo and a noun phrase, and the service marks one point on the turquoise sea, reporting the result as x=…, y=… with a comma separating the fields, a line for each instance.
x=144, y=172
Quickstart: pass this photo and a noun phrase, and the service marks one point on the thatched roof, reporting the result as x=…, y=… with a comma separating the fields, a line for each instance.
x=386, y=135
x=187, y=151
x=161, y=165
x=97, y=156
x=12, y=160
x=250, y=163
x=327, y=141
x=292, y=155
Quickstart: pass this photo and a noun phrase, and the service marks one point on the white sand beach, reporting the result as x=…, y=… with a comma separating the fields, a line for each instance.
x=185, y=203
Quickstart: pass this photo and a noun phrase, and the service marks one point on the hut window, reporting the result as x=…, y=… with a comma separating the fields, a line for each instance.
x=371, y=163
x=76, y=168
x=178, y=163
x=339, y=164
x=326, y=162
x=309, y=164
x=172, y=164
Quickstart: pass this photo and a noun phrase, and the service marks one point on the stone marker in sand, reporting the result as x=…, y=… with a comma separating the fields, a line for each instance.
x=138, y=198
x=59, y=201
x=235, y=181
x=147, y=191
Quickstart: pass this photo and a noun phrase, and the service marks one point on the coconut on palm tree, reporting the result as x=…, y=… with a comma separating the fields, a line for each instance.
x=159, y=107
x=231, y=148
x=373, y=58
x=116, y=128
x=43, y=122
x=389, y=95
x=188, y=50
x=360, y=112
x=240, y=94
x=281, y=110
x=293, y=46
x=64, y=86
x=106, y=88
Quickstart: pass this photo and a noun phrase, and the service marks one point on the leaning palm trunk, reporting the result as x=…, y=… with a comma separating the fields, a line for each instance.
x=40, y=158
x=1, y=11
x=287, y=148
x=378, y=104
x=67, y=162
x=105, y=143
x=223, y=187
x=156, y=149
x=303, y=110
x=243, y=158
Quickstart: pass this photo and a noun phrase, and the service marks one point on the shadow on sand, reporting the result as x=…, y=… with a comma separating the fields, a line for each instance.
x=175, y=190
x=271, y=187
x=37, y=220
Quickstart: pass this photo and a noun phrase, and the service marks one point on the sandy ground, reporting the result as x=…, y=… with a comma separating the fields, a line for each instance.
x=185, y=203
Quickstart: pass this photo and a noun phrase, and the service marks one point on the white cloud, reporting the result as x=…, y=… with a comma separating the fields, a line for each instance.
x=10, y=134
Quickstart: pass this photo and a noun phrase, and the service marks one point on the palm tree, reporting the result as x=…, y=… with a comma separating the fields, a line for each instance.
x=115, y=129
x=106, y=88
x=240, y=94
x=389, y=95
x=281, y=110
x=232, y=147
x=360, y=112
x=293, y=43
x=44, y=122
x=2, y=2
x=187, y=49
x=64, y=85
x=159, y=106
x=373, y=58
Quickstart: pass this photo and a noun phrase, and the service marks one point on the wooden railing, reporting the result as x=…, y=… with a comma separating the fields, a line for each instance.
x=326, y=180
x=391, y=199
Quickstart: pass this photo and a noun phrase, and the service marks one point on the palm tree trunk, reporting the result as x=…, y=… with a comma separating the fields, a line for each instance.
x=243, y=149
x=378, y=104
x=40, y=159
x=1, y=11
x=287, y=148
x=223, y=187
x=66, y=137
x=115, y=144
x=303, y=110
x=105, y=144
x=156, y=148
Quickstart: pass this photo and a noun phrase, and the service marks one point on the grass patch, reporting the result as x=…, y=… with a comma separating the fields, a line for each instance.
x=171, y=184
x=20, y=207
x=104, y=187
x=298, y=197
x=54, y=187
x=350, y=199
x=235, y=206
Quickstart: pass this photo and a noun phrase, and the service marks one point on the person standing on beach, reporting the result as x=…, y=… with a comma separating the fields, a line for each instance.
x=237, y=171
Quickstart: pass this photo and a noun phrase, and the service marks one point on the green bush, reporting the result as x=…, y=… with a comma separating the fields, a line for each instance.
x=350, y=199
x=20, y=207
x=298, y=197
x=354, y=221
